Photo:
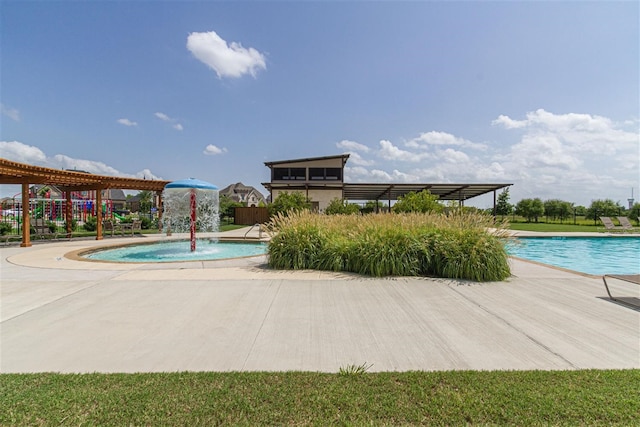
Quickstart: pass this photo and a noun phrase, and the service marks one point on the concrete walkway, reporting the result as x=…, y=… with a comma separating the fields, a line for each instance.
x=64, y=315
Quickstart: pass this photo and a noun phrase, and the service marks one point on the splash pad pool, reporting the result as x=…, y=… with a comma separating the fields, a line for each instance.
x=190, y=206
x=177, y=251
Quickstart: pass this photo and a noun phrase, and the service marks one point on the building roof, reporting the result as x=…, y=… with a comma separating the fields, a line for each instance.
x=344, y=158
x=380, y=191
x=21, y=173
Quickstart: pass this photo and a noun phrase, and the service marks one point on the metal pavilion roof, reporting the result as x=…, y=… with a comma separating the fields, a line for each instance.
x=21, y=173
x=446, y=191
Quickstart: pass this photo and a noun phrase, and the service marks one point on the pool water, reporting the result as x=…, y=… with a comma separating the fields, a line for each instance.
x=590, y=255
x=179, y=250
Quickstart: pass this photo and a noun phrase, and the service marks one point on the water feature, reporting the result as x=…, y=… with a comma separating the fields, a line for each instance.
x=190, y=205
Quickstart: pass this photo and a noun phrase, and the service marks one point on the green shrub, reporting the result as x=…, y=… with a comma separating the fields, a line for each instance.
x=5, y=228
x=146, y=223
x=91, y=224
x=458, y=245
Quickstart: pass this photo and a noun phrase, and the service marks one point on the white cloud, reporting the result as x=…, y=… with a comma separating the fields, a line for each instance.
x=12, y=113
x=163, y=117
x=571, y=156
x=574, y=157
x=127, y=122
x=352, y=146
x=23, y=153
x=357, y=159
x=65, y=162
x=388, y=151
x=166, y=118
x=212, y=150
x=227, y=60
x=434, y=138
x=507, y=122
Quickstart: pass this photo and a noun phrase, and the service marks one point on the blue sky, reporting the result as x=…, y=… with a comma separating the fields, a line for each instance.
x=544, y=95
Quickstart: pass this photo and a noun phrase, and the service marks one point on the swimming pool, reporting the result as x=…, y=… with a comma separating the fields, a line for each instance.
x=590, y=255
x=178, y=250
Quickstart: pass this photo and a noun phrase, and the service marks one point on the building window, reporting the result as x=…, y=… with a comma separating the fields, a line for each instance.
x=325, y=174
x=287, y=174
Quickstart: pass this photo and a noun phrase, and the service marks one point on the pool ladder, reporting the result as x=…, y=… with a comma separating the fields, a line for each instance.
x=252, y=227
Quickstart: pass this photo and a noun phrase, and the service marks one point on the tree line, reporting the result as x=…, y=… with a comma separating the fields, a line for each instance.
x=534, y=208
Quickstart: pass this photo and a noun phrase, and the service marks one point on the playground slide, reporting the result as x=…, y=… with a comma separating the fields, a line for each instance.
x=118, y=217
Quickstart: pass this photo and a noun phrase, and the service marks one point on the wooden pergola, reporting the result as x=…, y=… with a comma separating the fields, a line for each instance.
x=68, y=181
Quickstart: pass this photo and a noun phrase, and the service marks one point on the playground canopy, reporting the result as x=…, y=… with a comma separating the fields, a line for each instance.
x=68, y=181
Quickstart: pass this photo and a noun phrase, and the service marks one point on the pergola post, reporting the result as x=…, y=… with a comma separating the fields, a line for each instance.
x=26, y=220
x=160, y=209
x=99, y=214
x=68, y=212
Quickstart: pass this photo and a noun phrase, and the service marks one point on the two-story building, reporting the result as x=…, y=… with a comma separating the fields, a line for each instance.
x=321, y=179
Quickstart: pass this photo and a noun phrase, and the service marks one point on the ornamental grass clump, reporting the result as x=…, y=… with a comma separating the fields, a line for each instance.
x=455, y=245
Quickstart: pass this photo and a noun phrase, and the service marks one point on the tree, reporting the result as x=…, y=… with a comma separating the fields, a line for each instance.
x=373, y=206
x=286, y=202
x=557, y=209
x=423, y=202
x=145, y=198
x=531, y=209
x=341, y=207
x=503, y=207
x=227, y=206
x=605, y=207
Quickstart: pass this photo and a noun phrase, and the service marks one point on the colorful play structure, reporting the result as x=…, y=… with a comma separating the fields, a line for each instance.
x=83, y=206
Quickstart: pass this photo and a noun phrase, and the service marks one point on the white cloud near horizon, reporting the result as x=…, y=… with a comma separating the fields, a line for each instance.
x=351, y=146
x=227, y=60
x=127, y=122
x=12, y=113
x=24, y=153
x=212, y=150
x=434, y=138
x=573, y=157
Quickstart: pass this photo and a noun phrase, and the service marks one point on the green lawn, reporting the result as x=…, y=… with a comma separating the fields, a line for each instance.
x=586, y=397
x=556, y=227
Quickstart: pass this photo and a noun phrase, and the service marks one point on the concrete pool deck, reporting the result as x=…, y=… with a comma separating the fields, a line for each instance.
x=63, y=315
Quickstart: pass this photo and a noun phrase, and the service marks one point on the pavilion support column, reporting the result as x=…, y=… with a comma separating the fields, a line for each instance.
x=26, y=220
x=99, y=214
x=68, y=212
x=160, y=209
x=495, y=214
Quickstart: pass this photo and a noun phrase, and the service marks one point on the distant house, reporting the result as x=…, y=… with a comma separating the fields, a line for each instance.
x=245, y=194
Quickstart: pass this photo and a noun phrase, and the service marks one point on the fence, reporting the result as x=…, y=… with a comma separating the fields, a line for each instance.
x=250, y=216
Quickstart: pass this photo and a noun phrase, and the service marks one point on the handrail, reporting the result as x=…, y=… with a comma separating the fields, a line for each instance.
x=252, y=227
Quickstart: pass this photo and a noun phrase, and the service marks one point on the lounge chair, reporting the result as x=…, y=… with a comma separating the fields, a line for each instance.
x=42, y=229
x=631, y=278
x=625, y=223
x=136, y=226
x=609, y=225
x=111, y=227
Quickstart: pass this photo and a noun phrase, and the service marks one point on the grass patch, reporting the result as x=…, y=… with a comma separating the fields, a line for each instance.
x=556, y=228
x=457, y=246
x=588, y=397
